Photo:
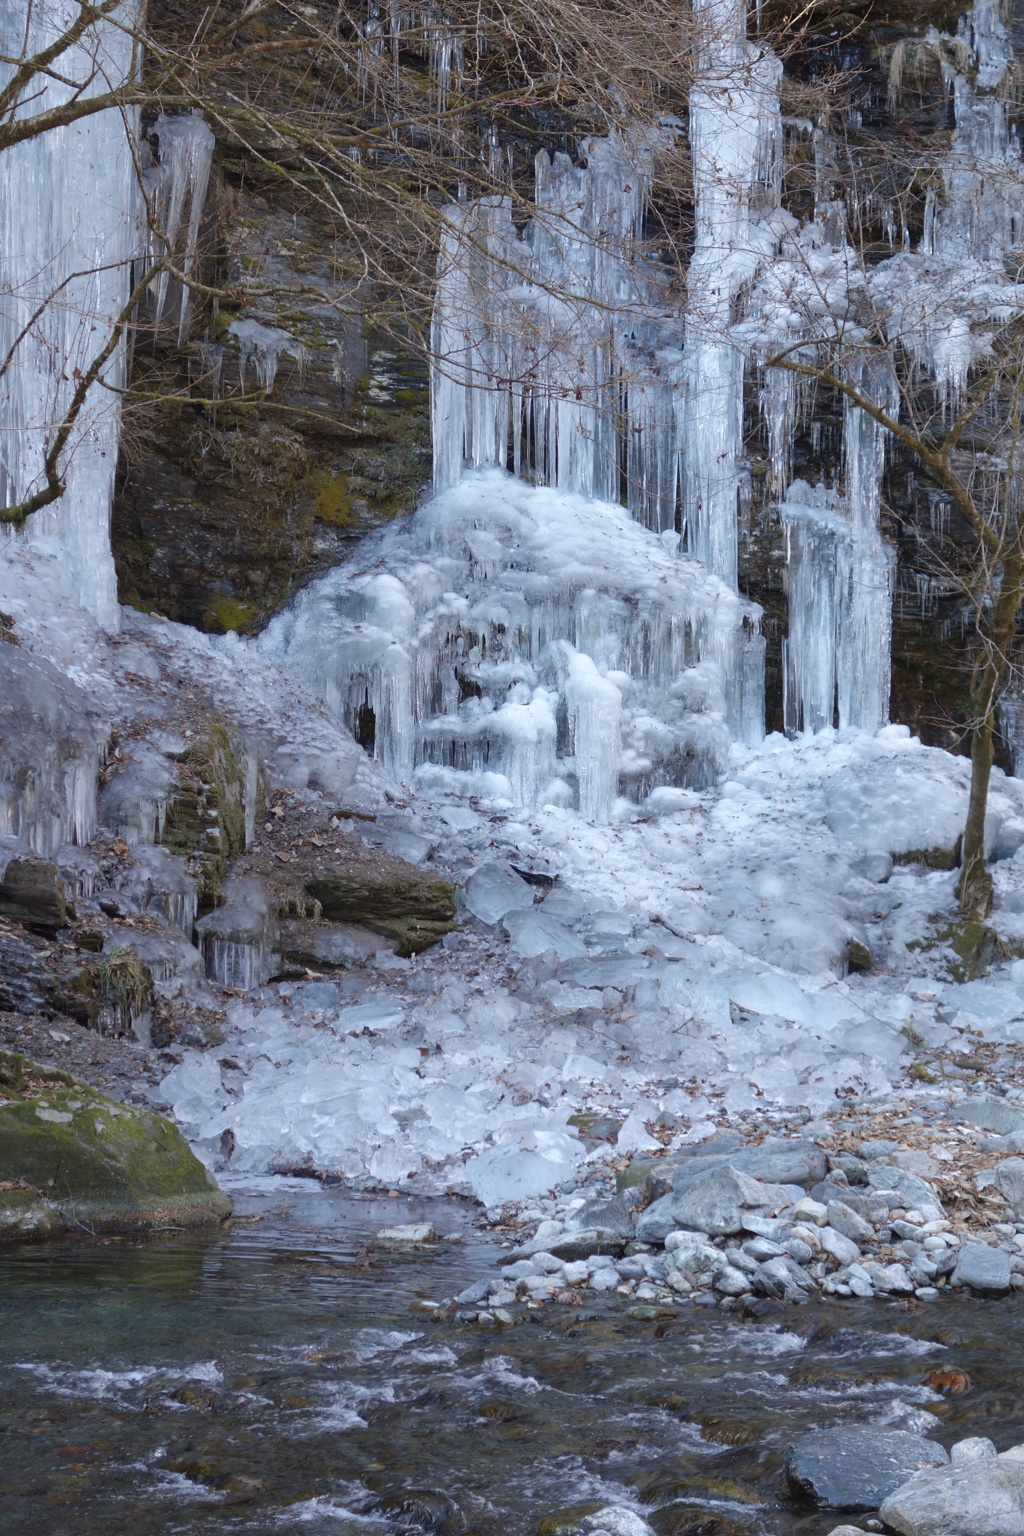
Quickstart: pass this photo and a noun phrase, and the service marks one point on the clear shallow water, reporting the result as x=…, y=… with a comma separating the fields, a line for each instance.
x=276, y=1380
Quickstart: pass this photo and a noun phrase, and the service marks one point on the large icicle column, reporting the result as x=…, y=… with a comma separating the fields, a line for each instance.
x=68, y=232
x=736, y=140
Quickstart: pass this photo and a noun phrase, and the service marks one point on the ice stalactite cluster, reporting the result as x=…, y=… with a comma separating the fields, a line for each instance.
x=174, y=184
x=68, y=232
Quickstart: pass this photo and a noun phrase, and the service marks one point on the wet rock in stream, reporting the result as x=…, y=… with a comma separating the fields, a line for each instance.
x=857, y=1468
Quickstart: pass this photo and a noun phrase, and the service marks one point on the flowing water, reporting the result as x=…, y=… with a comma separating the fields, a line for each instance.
x=277, y=1378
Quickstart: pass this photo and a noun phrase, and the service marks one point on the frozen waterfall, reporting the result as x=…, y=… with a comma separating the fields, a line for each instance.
x=68, y=234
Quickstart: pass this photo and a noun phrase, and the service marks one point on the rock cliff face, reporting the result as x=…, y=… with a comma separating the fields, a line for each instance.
x=223, y=510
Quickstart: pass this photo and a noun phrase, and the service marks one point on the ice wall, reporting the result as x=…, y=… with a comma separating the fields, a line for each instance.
x=68, y=234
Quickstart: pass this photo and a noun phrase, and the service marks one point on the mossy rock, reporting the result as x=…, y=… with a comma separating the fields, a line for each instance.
x=400, y=904
x=205, y=820
x=931, y=858
x=102, y=1166
x=25, y=1217
x=974, y=945
x=566, y=1522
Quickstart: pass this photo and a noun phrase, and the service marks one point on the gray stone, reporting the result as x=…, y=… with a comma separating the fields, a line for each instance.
x=731, y=1281
x=775, y=1161
x=917, y=1194
x=976, y=1498
x=835, y=1187
x=868, y=1205
x=797, y=1249
x=408, y=1232
x=474, y=1294
x=762, y=1248
x=855, y=1169
x=570, y=1246
x=869, y=1151
x=614, y=1215
x=976, y=1448
x=983, y=1269
x=715, y=1202
x=1010, y=1184
x=655, y=1224
x=783, y=1278
x=857, y=1468
x=891, y=1279
x=841, y=1248
x=991, y=1114
x=845, y=1220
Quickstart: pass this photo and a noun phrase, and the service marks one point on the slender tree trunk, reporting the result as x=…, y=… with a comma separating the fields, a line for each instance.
x=974, y=890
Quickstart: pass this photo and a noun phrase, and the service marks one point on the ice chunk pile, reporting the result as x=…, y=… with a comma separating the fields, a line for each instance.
x=526, y=643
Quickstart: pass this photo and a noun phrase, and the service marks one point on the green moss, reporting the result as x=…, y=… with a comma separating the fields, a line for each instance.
x=332, y=501
x=205, y=821
x=110, y=1163
x=931, y=858
x=973, y=946
x=226, y=613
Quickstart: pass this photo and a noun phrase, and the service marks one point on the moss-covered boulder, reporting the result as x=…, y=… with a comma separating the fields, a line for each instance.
x=398, y=901
x=98, y=1165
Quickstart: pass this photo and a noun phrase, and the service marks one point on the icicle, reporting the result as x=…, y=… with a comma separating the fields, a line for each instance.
x=264, y=346
x=186, y=147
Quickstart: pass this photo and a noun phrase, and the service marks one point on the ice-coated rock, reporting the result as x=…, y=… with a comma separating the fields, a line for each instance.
x=1009, y=1181
x=715, y=1201
x=494, y=889
x=857, y=1468
x=532, y=932
x=615, y=1520
x=408, y=1232
x=845, y=1220
x=982, y=1268
x=976, y=1498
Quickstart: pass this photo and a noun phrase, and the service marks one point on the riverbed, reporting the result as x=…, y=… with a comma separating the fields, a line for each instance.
x=279, y=1378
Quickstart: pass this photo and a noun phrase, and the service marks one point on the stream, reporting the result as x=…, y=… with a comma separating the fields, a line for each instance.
x=277, y=1378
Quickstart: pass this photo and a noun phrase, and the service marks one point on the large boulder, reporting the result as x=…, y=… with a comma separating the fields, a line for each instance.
x=32, y=893
x=399, y=901
x=857, y=1468
x=715, y=1202
x=98, y=1165
x=975, y=1498
x=983, y=1269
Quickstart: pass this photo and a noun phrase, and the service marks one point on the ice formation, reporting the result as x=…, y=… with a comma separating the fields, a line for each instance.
x=177, y=179
x=68, y=233
x=530, y=644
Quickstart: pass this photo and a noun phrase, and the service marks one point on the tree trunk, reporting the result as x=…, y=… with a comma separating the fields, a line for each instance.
x=974, y=890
